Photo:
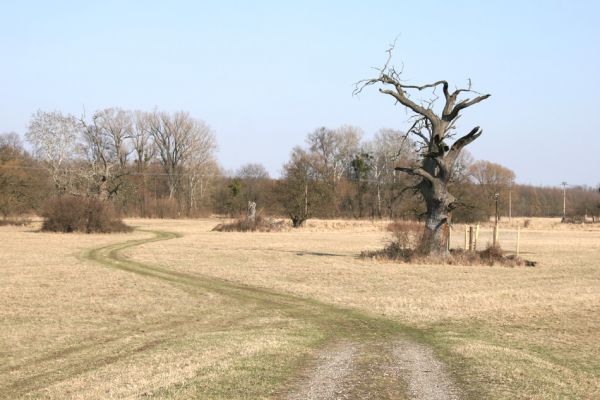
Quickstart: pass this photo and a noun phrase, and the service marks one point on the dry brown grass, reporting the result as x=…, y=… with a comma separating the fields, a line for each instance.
x=259, y=224
x=74, y=329
x=514, y=332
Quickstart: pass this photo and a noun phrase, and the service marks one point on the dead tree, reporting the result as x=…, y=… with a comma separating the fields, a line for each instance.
x=432, y=128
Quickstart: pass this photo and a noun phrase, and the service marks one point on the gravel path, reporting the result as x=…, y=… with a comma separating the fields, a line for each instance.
x=425, y=376
x=400, y=369
x=326, y=380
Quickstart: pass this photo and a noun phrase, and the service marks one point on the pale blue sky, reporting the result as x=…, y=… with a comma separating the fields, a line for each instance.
x=263, y=74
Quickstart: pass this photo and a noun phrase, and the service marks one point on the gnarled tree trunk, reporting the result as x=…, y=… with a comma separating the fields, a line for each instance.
x=431, y=131
x=439, y=204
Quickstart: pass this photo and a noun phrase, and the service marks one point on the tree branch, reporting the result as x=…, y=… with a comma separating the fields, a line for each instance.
x=462, y=105
x=400, y=95
x=418, y=171
x=460, y=144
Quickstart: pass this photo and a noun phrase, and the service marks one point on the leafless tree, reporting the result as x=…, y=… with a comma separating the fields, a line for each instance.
x=55, y=140
x=334, y=151
x=201, y=167
x=179, y=138
x=433, y=129
x=387, y=149
x=106, y=145
x=491, y=179
x=300, y=191
x=141, y=140
x=12, y=140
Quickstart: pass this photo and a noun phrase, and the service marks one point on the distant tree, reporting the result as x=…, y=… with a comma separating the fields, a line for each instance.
x=299, y=190
x=333, y=151
x=388, y=148
x=22, y=185
x=55, y=139
x=491, y=178
x=361, y=166
x=178, y=138
x=144, y=152
x=107, y=146
x=252, y=171
x=255, y=179
x=432, y=129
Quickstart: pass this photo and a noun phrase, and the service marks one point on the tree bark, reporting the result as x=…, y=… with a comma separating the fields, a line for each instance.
x=439, y=214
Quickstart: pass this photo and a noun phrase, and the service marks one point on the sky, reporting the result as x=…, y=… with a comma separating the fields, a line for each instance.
x=264, y=74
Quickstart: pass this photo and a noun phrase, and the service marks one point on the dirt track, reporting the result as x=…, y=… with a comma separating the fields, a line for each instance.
x=384, y=366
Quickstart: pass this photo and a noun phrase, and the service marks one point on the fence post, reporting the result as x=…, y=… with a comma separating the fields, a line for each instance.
x=476, y=236
x=466, y=236
x=496, y=234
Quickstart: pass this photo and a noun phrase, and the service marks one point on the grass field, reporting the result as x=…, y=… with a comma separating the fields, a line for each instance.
x=242, y=315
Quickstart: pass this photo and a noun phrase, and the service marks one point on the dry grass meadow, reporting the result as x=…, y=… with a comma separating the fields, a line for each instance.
x=75, y=328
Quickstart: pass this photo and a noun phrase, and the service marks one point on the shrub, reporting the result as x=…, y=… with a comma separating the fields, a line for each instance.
x=259, y=224
x=81, y=214
x=406, y=234
x=406, y=237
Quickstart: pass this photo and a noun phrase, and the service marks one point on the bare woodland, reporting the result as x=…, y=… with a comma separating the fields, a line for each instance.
x=158, y=164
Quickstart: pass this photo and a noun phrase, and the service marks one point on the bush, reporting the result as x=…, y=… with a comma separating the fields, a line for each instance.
x=81, y=214
x=406, y=237
x=406, y=234
x=259, y=224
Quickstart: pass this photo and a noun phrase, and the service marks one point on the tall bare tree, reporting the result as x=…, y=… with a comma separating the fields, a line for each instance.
x=388, y=148
x=334, y=151
x=178, y=138
x=201, y=165
x=55, y=140
x=106, y=144
x=491, y=179
x=433, y=129
x=300, y=191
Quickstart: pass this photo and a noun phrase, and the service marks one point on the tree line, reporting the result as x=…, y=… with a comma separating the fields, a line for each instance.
x=158, y=164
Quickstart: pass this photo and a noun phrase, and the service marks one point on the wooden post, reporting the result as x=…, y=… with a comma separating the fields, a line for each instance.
x=449, y=236
x=495, y=240
x=471, y=238
x=518, y=239
x=466, y=237
x=476, y=237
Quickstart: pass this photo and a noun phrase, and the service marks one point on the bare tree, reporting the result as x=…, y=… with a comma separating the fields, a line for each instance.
x=201, y=165
x=491, y=179
x=106, y=144
x=54, y=138
x=300, y=190
x=334, y=151
x=178, y=138
x=388, y=148
x=141, y=141
x=144, y=151
x=432, y=129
